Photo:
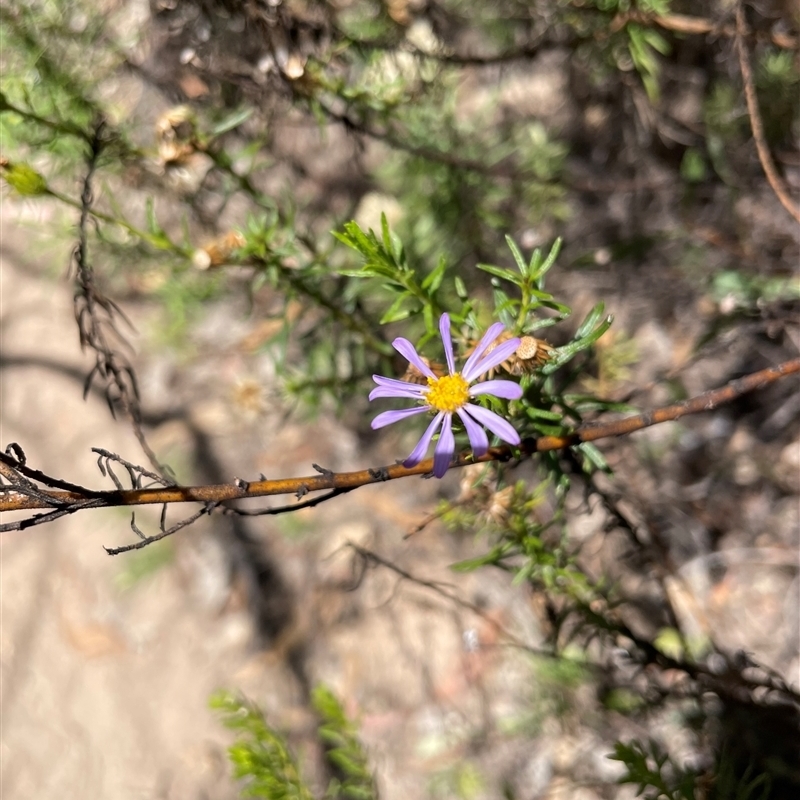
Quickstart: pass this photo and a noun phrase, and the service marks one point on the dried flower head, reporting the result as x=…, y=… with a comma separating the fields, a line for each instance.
x=176, y=135
x=217, y=251
x=249, y=398
x=414, y=375
x=478, y=492
x=531, y=353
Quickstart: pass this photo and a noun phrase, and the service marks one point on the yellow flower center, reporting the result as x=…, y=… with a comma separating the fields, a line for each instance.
x=448, y=393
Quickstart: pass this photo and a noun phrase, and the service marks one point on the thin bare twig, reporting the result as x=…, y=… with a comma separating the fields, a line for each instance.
x=678, y=23
x=273, y=511
x=97, y=316
x=441, y=589
x=764, y=156
x=144, y=541
x=17, y=494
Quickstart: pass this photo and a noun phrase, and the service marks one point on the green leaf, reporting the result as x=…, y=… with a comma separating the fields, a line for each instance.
x=25, y=180
x=549, y=430
x=355, y=273
x=540, y=413
x=591, y=320
x=693, y=166
x=492, y=557
x=538, y=272
x=593, y=458
x=396, y=311
x=657, y=41
x=434, y=280
x=515, y=251
x=561, y=355
x=391, y=243
x=153, y=227
x=430, y=325
x=234, y=120
x=502, y=273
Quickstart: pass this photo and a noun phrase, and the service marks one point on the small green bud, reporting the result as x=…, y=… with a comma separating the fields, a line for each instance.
x=25, y=179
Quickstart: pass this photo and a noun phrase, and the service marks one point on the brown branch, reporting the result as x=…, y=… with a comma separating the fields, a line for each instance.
x=527, y=51
x=14, y=499
x=682, y=23
x=678, y=23
x=764, y=156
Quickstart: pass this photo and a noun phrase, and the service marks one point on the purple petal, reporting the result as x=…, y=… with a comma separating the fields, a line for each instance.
x=409, y=352
x=447, y=341
x=390, y=417
x=497, y=356
x=478, y=440
x=488, y=337
x=508, y=390
x=407, y=394
x=389, y=387
x=496, y=424
x=424, y=443
x=381, y=381
x=445, y=447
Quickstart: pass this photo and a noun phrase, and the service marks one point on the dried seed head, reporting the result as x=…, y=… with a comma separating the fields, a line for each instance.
x=413, y=375
x=218, y=251
x=176, y=135
x=531, y=354
x=477, y=493
x=498, y=509
x=249, y=398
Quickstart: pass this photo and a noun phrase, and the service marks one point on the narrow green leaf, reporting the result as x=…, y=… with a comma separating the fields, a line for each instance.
x=594, y=457
x=430, y=325
x=386, y=233
x=232, y=121
x=539, y=272
x=434, y=280
x=492, y=557
x=515, y=251
x=541, y=413
x=561, y=355
x=591, y=320
x=152, y=223
x=549, y=430
x=396, y=311
x=502, y=273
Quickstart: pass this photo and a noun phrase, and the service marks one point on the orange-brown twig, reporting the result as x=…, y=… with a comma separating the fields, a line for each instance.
x=764, y=156
x=681, y=23
x=19, y=493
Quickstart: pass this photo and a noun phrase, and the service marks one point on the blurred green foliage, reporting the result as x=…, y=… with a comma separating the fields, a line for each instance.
x=259, y=756
x=262, y=761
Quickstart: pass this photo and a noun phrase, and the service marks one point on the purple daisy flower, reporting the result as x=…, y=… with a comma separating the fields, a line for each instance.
x=450, y=395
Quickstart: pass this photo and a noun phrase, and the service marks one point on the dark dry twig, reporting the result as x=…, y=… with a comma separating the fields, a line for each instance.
x=370, y=557
x=764, y=156
x=163, y=533
x=97, y=315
